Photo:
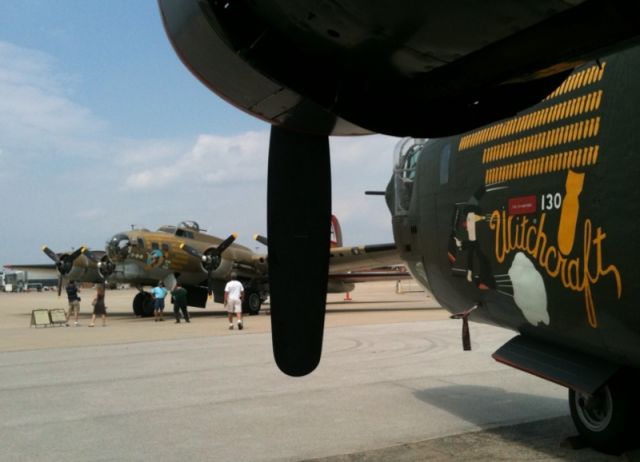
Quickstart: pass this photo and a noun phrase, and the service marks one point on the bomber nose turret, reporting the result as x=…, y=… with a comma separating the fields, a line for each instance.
x=118, y=247
x=405, y=161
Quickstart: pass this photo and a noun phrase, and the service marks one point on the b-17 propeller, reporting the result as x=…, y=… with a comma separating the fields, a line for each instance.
x=211, y=258
x=64, y=262
x=261, y=239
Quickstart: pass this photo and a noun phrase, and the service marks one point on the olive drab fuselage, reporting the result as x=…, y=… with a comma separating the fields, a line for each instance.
x=532, y=221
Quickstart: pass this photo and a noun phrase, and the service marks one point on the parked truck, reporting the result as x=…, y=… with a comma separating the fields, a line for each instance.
x=15, y=281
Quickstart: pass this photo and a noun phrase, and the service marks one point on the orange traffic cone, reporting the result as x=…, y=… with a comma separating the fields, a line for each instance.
x=347, y=296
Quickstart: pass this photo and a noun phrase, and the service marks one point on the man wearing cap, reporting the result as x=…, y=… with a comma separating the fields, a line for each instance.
x=233, y=296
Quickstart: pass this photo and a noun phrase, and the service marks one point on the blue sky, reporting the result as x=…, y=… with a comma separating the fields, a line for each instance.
x=102, y=127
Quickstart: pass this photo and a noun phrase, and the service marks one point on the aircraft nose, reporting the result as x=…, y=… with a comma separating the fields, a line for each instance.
x=389, y=195
x=118, y=247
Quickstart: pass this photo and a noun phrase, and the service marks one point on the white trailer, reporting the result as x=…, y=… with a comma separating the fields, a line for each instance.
x=15, y=281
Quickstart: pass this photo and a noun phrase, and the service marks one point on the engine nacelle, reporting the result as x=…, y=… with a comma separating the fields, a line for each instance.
x=216, y=265
x=106, y=267
x=80, y=269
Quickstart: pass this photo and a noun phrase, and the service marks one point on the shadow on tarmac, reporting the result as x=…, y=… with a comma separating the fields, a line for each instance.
x=539, y=440
x=549, y=437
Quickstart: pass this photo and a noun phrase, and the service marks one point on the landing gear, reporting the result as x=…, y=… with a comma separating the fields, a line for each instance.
x=143, y=304
x=606, y=418
x=252, y=302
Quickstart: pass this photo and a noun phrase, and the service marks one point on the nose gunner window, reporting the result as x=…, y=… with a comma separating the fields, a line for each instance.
x=406, y=157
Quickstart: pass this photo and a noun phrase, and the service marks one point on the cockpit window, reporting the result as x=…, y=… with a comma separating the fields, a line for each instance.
x=406, y=157
x=183, y=233
x=192, y=225
x=118, y=246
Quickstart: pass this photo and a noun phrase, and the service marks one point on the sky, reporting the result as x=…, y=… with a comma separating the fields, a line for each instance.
x=102, y=127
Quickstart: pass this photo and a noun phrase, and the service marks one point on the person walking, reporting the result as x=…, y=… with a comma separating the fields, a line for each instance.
x=158, y=293
x=74, y=302
x=99, y=308
x=179, y=298
x=233, y=296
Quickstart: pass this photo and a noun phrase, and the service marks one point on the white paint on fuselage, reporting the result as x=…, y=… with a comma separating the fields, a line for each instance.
x=529, y=291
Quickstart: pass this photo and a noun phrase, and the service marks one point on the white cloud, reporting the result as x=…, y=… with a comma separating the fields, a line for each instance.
x=213, y=160
x=140, y=153
x=36, y=114
x=359, y=164
x=86, y=185
x=226, y=177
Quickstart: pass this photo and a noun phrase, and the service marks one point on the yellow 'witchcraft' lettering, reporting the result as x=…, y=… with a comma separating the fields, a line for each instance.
x=578, y=273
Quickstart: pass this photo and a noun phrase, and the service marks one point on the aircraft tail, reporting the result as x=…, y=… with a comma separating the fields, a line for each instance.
x=336, y=232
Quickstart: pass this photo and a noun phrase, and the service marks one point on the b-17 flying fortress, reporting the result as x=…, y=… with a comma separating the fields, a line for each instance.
x=202, y=263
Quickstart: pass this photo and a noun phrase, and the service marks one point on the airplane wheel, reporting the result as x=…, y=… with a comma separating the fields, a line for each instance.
x=252, y=303
x=143, y=304
x=606, y=418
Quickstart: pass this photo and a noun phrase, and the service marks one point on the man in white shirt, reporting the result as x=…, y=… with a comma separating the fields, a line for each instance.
x=233, y=296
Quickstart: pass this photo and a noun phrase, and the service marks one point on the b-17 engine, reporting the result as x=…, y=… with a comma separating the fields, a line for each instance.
x=211, y=259
x=106, y=267
x=215, y=265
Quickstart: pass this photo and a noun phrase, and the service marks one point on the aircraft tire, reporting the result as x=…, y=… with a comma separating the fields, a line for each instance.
x=252, y=302
x=143, y=304
x=605, y=420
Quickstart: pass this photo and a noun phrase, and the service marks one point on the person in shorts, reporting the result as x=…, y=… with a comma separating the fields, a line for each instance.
x=158, y=293
x=74, y=302
x=233, y=296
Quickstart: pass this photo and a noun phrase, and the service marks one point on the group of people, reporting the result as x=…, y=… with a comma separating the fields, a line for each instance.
x=178, y=298
x=99, y=308
x=233, y=297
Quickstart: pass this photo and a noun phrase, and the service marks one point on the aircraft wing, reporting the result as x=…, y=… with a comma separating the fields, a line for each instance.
x=379, y=274
x=345, y=259
x=34, y=267
x=363, y=257
x=424, y=68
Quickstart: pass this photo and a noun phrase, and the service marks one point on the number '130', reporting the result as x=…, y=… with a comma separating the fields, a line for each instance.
x=551, y=201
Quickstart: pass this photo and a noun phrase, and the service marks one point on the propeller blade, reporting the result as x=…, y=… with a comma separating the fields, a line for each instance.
x=261, y=239
x=76, y=253
x=190, y=250
x=226, y=243
x=51, y=254
x=59, y=284
x=209, y=284
x=298, y=226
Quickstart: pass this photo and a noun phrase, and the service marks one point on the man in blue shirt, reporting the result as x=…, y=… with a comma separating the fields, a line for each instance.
x=158, y=293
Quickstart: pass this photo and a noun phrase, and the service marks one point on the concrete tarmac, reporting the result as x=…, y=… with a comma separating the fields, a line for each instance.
x=393, y=384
